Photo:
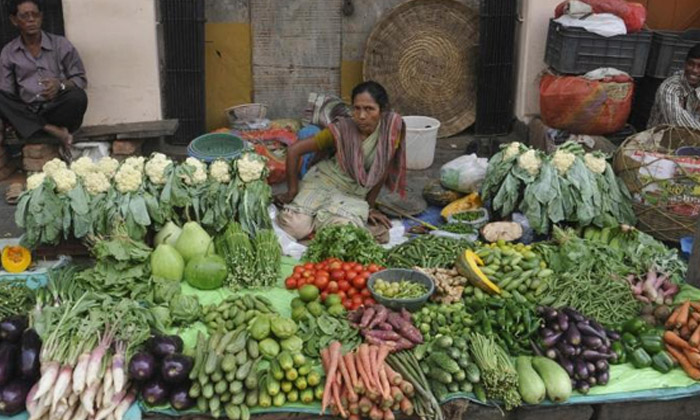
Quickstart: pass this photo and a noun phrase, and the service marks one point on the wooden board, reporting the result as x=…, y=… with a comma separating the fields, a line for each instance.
x=110, y=132
x=296, y=51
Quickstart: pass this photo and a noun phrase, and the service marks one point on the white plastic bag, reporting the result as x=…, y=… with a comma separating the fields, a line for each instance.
x=464, y=174
x=93, y=150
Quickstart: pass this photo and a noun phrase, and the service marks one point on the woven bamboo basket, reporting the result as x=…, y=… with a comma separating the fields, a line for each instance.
x=664, y=181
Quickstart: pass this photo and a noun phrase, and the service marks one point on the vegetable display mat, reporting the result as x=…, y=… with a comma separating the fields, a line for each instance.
x=133, y=413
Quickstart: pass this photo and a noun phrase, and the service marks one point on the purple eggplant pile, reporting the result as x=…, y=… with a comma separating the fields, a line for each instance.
x=19, y=364
x=162, y=371
x=579, y=344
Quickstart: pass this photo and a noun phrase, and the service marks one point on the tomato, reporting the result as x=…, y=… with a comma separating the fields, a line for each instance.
x=357, y=300
x=318, y=266
x=309, y=266
x=359, y=282
x=324, y=295
x=352, y=292
x=321, y=282
x=348, y=305
x=322, y=272
x=346, y=267
x=301, y=282
x=344, y=285
x=290, y=283
x=335, y=265
x=358, y=267
x=343, y=296
x=369, y=301
x=365, y=293
x=308, y=274
x=350, y=275
x=332, y=286
x=337, y=275
x=298, y=269
x=364, y=274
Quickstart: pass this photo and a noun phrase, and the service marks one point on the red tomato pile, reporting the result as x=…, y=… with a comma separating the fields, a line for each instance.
x=333, y=276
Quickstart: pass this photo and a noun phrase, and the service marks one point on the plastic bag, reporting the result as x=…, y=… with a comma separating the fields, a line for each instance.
x=464, y=174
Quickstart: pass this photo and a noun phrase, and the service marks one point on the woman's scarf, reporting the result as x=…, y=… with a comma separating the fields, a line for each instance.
x=387, y=158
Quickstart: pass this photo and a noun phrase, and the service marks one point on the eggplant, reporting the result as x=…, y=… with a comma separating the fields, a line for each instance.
x=591, y=368
x=563, y=321
x=573, y=336
x=603, y=377
x=601, y=366
x=586, y=329
x=142, y=366
x=580, y=369
x=574, y=314
x=551, y=353
x=567, y=364
x=180, y=398
x=583, y=387
x=163, y=345
x=29, y=355
x=603, y=349
x=8, y=362
x=594, y=356
x=155, y=392
x=592, y=381
x=546, y=332
x=578, y=350
x=11, y=329
x=591, y=342
x=613, y=335
x=551, y=340
x=555, y=327
x=566, y=349
x=13, y=397
x=176, y=368
x=550, y=314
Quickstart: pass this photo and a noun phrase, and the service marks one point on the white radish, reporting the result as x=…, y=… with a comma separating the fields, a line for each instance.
x=29, y=401
x=123, y=406
x=47, y=379
x=62, y=385
x=60, y=410
x=80, y=372
x=94, y=365
x=87, y=398
x=69, y=414
x=42, y=407
x=81, y=413
x=110, y=406
x=118, y=370
x=107, y=388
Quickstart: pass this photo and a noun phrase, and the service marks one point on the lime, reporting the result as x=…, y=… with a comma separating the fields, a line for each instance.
x=297, y=302
x=308, y=293
x=315, y=308
x=333, y=299
x=336, y=310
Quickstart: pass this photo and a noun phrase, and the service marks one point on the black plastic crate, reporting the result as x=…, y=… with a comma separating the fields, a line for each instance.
x=644, y=96
x=669, y=50
x=577, y=51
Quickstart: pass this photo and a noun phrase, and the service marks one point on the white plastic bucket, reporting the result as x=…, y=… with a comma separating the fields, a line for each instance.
x=421, y=136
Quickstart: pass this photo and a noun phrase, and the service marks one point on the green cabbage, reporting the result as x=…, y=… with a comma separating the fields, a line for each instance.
x=185, y=309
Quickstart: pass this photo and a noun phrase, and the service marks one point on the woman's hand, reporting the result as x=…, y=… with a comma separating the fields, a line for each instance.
x=378, y=218
x=285, y=198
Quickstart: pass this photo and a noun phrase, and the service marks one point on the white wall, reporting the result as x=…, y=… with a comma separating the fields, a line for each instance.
x=117, y=41
x=531, y=48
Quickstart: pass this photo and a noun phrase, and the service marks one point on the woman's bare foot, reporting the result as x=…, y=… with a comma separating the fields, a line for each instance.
x=61, y=133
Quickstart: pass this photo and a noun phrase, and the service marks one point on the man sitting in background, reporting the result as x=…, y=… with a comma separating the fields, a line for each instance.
x=42, y=79
x=678, y=98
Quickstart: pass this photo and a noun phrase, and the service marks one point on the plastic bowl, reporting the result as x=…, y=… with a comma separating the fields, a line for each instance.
x=392, y=275
x=477, y=223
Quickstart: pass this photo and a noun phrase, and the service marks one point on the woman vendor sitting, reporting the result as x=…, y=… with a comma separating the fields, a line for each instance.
x=362, y=154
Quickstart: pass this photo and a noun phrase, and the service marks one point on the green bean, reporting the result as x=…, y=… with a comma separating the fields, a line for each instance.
x=16, y=298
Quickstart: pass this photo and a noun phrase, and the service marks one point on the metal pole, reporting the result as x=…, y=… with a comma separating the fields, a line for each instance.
x=694, y=262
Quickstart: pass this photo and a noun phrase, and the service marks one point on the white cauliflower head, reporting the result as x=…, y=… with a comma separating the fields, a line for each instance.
x=530, y=162
x=108, y=166
x=83, y=166
x=595, y=164
x=513, y=149
x=34, y=180
x=220, y=171
x=562, y=160
x=156, y=167
x=199, y=174
x=96, y=183
x=53, y=165
x=128, y=179
x=250, y=167
x=136, y=162
x=65, y=179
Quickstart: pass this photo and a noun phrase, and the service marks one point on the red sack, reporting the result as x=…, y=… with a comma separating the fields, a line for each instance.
x=582, y=106
x=633, y=14
x=276, y=166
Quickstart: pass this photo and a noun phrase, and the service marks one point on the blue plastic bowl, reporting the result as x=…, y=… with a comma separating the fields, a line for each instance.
x=687, y=245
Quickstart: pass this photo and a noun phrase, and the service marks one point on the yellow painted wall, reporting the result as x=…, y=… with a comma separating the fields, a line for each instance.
x=350, y=76
x=228, y=69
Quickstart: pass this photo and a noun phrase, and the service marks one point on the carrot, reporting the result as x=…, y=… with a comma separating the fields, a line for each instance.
x=352, y=396
x=684, y=332
x=325, y=359
x=374, y=369
x=695, y=306
x=396, y=394
x=386, y=387
x=336, y=398
x=407, y=388
x=363, y=374
x=671, y=321
x=683, y=314
x=382, y=353
x=695, y=338
x=367, y=364
x=695, y=316
x=375, y=413
x=349, y=360
x=688, y=368
x=692, y=324
x=333, y=355
x=354, y=417
x=407, y=407
x=693, y=358
x=388, y=415
x=365, y=405
x=354, y=409
x=674, y=340
x=393, y=377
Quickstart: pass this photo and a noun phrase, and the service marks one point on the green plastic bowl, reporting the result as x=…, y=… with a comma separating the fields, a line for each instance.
x=392, y=275
x=212, y=146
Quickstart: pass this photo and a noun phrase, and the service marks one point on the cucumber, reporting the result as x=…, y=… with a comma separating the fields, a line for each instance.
x=466, y=387
x=473, y=373
x=459, y=376
x=251, y=398
x=230, y=376
x=238, y=399
x=212, y=362
x=251, y=383
x=233, y=412
x=238, y=343
x=245, y=412
x=235, y=387
x=208, y=391
x=220, y=387
x=224, y=342
x=439, y=390
x=453, y=387
x=228, y=364
x=244, y=370
x=253, y=351
x=195, y=390
x=202, y=404
x=440, y=375
x=215, y=407
x=443, y=361
x=444, y=341
x=530, y=385
x=241, y=357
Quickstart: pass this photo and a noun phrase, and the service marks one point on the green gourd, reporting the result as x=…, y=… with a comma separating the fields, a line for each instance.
x=530, y=385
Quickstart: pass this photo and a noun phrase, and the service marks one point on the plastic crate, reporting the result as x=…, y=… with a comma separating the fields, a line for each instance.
x=669, y=50
x=577, y=51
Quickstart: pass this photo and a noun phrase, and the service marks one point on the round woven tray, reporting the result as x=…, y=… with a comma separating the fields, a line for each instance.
x=424, y=53
x=663, y=202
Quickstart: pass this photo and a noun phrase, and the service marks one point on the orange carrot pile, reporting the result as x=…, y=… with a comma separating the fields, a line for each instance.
x=361, y=384
x=682, y=337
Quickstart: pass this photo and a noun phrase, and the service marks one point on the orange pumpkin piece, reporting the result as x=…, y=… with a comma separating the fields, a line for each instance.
x=16, y=259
